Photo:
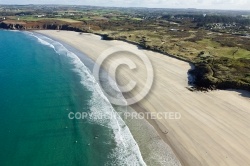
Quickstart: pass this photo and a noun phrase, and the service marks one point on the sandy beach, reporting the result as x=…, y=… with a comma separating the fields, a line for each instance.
x=214, y=128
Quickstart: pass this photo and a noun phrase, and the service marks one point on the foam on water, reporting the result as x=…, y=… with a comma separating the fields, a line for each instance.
x=40, y=40
x=127, y=151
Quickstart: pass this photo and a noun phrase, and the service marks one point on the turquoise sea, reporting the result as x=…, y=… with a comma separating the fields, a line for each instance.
x=41, y=82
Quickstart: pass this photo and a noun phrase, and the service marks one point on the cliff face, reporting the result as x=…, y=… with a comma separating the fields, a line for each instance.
x=6, y=25
x=43, y=24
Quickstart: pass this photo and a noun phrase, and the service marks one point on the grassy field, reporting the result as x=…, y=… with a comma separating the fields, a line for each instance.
x=180, y=46
x=32, y=18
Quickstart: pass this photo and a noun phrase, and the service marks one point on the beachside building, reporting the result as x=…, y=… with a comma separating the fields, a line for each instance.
x=40, y=16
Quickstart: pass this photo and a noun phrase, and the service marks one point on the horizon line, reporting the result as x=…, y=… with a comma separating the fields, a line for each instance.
x=127, y=7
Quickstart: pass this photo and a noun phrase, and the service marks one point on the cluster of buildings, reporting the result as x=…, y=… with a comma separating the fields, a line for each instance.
x=221, y=26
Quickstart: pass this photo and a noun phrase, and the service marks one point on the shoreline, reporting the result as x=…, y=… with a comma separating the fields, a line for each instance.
x=184, y=156
x=146, y=124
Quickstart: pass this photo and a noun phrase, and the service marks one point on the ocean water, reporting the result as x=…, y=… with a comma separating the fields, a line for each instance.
x=41, y=82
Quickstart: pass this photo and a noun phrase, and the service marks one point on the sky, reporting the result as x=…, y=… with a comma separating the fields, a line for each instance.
x=200, y=4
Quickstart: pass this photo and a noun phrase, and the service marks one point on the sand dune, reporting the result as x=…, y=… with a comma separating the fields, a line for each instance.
x=215, y=126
